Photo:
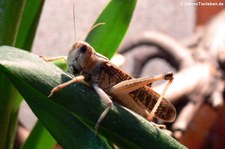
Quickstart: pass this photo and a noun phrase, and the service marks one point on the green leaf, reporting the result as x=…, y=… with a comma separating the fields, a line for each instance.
x=61, y=63
x=39, y=138
x=70, y=115
x=116, y=16
x=26, y=72
x=10, y=17
x=15, y=29
x=28, y=25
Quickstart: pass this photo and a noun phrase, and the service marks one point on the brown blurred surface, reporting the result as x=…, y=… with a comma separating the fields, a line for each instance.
x=216, y=138
x=207, y=129
x=204, y=13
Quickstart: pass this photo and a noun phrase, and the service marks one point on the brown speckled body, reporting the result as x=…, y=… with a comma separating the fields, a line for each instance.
x=140, y=101
x=99, y=72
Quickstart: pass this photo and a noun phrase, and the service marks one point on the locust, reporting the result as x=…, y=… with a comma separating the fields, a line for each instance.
x=114, y=85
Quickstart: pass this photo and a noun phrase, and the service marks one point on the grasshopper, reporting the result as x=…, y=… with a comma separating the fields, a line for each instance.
x=110, y=81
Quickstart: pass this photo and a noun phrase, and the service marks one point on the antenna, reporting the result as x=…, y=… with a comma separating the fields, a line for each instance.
x=96, y=25
x=74, y=22
x=93, y=27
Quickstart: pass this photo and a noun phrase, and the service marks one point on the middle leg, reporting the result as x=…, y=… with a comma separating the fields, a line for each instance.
x=61, y=86
x=106, y=100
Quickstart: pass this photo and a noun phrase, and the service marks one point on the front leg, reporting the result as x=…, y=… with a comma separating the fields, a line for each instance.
x=51, y=59
x=61, y=86
x=106, y=100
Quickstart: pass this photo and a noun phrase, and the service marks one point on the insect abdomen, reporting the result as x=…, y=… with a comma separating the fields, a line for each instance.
x=144, y=98
x=147, y=98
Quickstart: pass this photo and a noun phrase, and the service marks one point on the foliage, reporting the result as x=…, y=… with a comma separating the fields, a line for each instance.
x=71, y=114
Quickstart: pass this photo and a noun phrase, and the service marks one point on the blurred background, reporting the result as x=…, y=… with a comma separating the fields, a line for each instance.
x=171, y=36
x=55, y=31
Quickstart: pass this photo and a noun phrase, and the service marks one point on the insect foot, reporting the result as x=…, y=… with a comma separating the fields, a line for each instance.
x=44, y=58
x=102, y=116
x=168, y=76
x=159, y=126
x=54, y=90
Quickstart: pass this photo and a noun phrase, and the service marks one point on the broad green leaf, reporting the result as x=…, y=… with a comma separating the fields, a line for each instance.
x=10, y=17
x=61, y=123
x=106, y=39
x=39, y=138
x=28, y=25
x=61, y=64
x=72, y=113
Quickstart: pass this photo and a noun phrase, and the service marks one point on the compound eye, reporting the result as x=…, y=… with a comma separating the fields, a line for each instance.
x=83, y=49
x=71, y=69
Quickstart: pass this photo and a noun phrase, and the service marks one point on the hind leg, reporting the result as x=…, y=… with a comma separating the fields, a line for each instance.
x=128, y=86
